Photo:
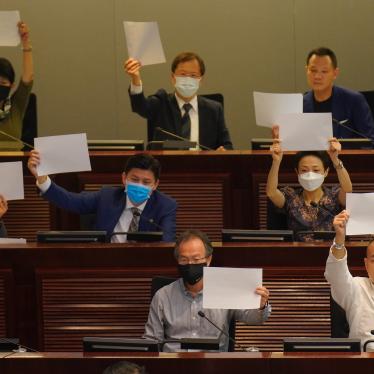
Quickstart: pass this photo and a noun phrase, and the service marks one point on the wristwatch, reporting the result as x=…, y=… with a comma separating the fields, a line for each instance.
x=339, y=165
x=338, y=246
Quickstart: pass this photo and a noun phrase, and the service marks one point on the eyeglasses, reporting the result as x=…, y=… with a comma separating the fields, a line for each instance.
x=186, y=260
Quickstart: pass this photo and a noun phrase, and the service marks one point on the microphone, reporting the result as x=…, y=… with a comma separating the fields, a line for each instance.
x=317, y=205
x=16, y=139
x=181, y=138
x=251, y=349
x=20, y=348
x=343, y=123
x=149, y=220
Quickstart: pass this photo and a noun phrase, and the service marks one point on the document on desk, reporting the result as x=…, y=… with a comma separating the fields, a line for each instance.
x=305, y=131
x=268, y=106
x=9, y=36
x=63, y=154
x=231, y=288
x=144, y=42
x=11, y=181
x=6, y=241
x=361, y=216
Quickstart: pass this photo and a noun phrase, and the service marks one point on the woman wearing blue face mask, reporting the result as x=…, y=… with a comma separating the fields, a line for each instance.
x=308, y=206
x=13, y=107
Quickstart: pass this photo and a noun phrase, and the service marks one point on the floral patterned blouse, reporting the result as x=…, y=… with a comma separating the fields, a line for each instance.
x=303, y=217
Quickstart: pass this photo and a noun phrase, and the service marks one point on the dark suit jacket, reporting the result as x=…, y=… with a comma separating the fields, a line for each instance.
x=346, y=104
x=161, y=110
x=3, y=233
x=109, y=203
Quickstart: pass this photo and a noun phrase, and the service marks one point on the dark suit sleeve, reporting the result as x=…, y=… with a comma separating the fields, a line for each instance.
x=147, y=107
x=223, y=133
x=168, y=223
x=3, y=233
x=362, y=116
x=82, y=203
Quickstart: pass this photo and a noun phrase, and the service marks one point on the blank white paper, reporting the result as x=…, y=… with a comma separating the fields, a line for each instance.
x=305, y=131
x=268, y=106
x=11, y=180
x=144, y=42
x=12, y=241
x=231, y=288
x=63, y=154
x=9, y=36
x=361, y=214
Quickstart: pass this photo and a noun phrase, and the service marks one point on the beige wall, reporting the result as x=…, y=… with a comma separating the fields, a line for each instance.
x=247, y=45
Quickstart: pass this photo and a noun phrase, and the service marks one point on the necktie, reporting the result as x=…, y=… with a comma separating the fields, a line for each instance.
x=186, y=121
x=134, y=224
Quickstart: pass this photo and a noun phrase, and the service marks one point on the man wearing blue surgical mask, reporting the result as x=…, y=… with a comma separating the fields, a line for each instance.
x=136, y=206
x=183, y=112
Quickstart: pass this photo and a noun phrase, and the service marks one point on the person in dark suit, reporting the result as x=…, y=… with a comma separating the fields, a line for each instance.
x=183, y=112
x=3, y=210
x=345, y=105
x=138, y=206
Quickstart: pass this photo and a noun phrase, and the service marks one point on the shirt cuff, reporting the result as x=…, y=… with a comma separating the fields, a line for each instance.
x=136, y=90
x=43, y=187
x=332, y=258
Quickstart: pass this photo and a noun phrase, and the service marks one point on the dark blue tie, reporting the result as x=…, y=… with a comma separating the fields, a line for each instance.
x=186, y=121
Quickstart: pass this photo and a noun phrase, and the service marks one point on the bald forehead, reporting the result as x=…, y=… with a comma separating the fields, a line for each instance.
x=192, y=246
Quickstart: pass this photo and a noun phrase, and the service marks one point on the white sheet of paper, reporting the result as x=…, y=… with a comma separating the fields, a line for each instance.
x=144, y=42
x=11, y=180
x=12, y=241
x=268, y=106
x=9, y=36
x=231, y=288
x=305, y=131
x=63, y=154
x=361, y=215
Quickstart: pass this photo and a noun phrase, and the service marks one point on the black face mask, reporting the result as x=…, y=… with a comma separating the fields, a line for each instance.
x=192, y=273
x=4, y=92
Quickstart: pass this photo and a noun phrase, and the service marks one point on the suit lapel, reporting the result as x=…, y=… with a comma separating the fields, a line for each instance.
x=176, y=114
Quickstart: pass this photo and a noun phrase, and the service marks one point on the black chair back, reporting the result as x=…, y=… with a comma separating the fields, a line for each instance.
x=30, y=122
x=369, y=96
x=275, y=219
x=339, y=323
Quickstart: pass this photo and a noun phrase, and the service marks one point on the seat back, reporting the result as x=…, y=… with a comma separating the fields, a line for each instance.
x=275, y=219
x=369, y=96
x=339, y=323
x=30, y=122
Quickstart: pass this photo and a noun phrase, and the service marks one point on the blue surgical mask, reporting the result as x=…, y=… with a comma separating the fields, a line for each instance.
x=137, y=192
x=187, y=86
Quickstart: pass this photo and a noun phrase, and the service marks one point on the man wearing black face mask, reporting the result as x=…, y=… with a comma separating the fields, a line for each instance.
x=13, y=107
x=174, y=309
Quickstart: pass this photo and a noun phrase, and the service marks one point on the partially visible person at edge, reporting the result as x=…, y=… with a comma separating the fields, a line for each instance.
x=311, y=206
x=13, y=106
x=3, y=210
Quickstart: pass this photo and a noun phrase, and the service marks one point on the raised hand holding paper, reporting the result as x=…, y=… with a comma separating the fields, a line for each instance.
x=231, y=288
x=268, y=106
x=305, y=131
x=9, y=36
x=11, y=180
x=361, y=215
x=63, y=154
x=144, y=43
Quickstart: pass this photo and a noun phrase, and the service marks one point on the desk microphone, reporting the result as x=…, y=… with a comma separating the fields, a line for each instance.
x=202, y=315
x=317, y=205
x=343, y=123
x=181, y=138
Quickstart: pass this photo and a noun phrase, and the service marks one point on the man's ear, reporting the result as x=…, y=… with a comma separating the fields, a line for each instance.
x=156, y=185
x=123, y=178
x=209, y=260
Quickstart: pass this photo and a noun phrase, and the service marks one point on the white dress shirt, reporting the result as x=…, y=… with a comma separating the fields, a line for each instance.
x=355, y=295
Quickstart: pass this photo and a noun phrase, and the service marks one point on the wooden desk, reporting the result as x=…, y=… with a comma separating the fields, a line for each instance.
x=214, y=190
x=64, y=292
x=187, y=363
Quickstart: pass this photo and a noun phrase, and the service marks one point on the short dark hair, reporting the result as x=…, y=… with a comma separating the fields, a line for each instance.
x=187, y=56
x=124, y=367
x=191, y=234
x=322, y=155
x=6, y=70
x=144, y=161
x=323, y=51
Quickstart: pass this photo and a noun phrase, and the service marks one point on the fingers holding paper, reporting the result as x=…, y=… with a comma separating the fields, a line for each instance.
x=264, y=293
x=132, y=68
x=3, y=205
x=33, y=163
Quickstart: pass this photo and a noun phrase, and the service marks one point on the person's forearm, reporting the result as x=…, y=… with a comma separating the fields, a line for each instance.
x=272, y=182
x=344, y=179
x=28, y=65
